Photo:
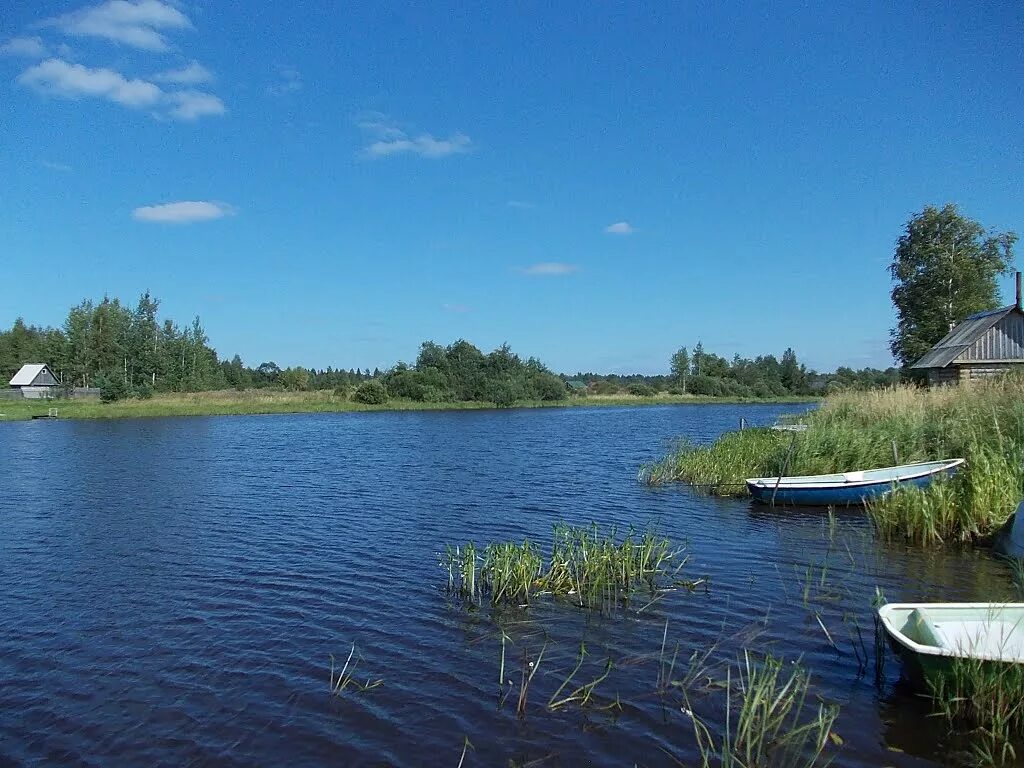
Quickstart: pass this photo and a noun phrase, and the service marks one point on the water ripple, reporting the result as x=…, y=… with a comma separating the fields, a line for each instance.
x=172, y=591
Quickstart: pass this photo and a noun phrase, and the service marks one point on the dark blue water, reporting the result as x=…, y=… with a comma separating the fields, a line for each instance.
x=172, y=590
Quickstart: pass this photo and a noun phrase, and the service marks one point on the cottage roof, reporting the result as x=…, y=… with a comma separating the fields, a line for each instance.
x=27, y=374
x=963, y=335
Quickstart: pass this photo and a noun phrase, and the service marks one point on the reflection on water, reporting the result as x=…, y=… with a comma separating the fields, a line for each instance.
x=172, y=590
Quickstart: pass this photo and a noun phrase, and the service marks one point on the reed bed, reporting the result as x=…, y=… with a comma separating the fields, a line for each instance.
x=983, y=423
x=594, y=568
x=987, y=700
x=769, y=719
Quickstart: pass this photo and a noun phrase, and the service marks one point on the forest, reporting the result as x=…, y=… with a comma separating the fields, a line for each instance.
x=130, y=351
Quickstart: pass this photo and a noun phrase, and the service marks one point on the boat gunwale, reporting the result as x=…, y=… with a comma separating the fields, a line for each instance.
x=885, y=614
x=808, y=482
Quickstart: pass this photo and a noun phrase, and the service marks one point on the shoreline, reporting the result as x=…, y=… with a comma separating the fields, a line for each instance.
x=262, y=402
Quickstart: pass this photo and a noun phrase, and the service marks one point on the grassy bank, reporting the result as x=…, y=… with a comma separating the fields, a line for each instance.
x=255, y=401
x=983, y=423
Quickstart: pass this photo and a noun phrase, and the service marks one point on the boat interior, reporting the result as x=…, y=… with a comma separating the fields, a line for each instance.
x=993, y=632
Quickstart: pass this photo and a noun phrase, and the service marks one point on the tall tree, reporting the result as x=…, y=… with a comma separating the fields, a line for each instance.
x=793, y=375
x=697, y=361
x=680, y=366
x=944, y=269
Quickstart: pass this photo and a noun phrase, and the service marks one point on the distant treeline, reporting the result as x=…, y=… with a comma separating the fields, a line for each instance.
x=129, y=351
x=705, y=373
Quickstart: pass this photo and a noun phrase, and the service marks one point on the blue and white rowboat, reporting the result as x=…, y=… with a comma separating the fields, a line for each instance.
x=847, y=487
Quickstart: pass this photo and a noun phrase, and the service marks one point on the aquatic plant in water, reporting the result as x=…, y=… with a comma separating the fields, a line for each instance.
x=769, y=722
x=988, y=700
x=347, y=675
x=983, y=423
x=594, y=568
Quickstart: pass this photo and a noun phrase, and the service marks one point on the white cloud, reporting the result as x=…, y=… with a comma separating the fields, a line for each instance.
x=192, y=74
x=183, y=212
x=619, y=228
x=136, y=23
x=551, y=268
x=423, y=145
x=56, y=77
x=389, y=139
x=56, y=166
x=29, y=47
x=59, y=78
x=191, y=105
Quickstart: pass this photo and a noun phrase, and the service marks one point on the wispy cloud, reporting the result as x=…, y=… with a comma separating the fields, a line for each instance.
x=387, y=139
x=59, y=78
x=191, y=74
x=141, y=24
x=290, y=81
x=519, y=204
x=56, y=166
x=183, y=212
x=136, y=23
x=619, y=228
x=550, y=268
x=191, y=105
x=28, y=47
x=56, y=77
x=458, y=308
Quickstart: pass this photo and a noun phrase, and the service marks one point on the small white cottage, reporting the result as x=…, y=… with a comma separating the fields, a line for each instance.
x=36, y=381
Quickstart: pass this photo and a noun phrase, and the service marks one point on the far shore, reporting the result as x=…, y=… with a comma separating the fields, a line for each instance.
x=262, y=401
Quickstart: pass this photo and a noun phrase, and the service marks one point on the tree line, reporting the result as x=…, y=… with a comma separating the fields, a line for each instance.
x=944, y=268
x=129, y=351
x=699, y=372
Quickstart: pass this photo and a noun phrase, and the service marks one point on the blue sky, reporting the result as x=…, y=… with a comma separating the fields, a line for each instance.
x=595, y=183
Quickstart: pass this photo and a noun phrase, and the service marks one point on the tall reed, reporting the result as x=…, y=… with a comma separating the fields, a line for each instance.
x=983, y=423
x=769, y=722
x=596, y=569
x=986, y=698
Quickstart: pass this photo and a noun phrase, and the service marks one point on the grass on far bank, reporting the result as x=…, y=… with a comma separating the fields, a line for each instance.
x=257, y=401
x=983, y=423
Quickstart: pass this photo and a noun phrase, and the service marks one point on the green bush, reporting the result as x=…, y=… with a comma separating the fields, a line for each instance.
x=111, y=388
x=640, y=390
x=142, y=391
x=502, y=394
x=548, y=386
x=371, y=392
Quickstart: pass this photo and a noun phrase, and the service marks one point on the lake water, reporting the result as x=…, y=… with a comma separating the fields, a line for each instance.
x=171, y=591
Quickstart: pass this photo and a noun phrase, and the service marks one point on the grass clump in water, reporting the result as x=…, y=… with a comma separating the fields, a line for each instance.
x=970, y=506
x=594, y=568
x=986, y=698
x=721, y=468
x=982, y=422
x=769, y=721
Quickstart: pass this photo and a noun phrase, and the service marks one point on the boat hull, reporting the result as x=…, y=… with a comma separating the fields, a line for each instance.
x=989, y=635
x=838, y=495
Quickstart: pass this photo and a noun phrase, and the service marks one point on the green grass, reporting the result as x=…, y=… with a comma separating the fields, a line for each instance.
x=260, y=401
x=593, y=568
x=983, y=423
x=987, y=700
x=770, y=719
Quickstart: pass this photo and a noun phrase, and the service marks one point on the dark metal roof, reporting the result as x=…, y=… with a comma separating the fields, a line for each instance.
x=954, y=343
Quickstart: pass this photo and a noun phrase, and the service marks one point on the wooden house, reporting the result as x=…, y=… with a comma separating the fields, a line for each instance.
x=35, y=380
x=986, y=344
